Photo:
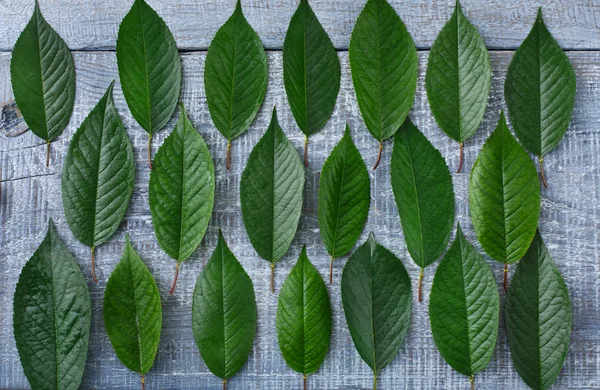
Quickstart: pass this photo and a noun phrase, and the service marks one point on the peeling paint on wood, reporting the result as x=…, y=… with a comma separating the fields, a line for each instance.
x=570, y=224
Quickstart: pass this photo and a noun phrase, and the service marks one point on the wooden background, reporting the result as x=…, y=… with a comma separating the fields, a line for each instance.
x=570, y=216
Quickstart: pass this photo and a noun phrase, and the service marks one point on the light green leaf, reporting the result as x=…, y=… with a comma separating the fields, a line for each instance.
x=304, y=318
x=182, y=191
x=504, y=196
x=458, y=77
x=464, y=308
x=52, y=316
x=377, y=303
x=132, y=312
x=43, y=79
x=271, y=193
x=311, y=71
x=98, y=175
x=224, y=313
x=235, y=76
x=344, y=198
x=538, y=317
x=149, y=67
x=423, y=190
x=383, y=62
x=540, y=92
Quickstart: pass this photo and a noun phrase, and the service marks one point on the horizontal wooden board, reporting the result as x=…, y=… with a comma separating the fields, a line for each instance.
x=570, y=224
x=93, y=24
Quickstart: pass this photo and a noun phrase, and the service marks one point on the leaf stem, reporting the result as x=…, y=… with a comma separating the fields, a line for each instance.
x=306, y=151
x=47, y=153
x=94, y=265
x=224, y=384
x=542, y=173
x=378, y=155
x=331, y=271
x=304, y=380
x=420, y=288
x=461, y=157
x=143, y=383
x=472, y=380
x=374, y=381
x=273, y=278
x=228, y=156
x=175, y=279
x=505, y=277
x=150, y=150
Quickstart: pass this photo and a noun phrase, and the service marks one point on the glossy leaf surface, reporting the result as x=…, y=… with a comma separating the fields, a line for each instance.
x=52, y=316
x=464, y=308
x=149, y=66
x=224, y=313
x=182, y=190
x=344, y=197
x=271, y=193
x=304, y=318
x=538, y=317
x=132, y=312
x=504, y=196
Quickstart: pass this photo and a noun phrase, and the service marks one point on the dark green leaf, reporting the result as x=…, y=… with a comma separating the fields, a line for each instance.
x=182, y=190
x=377, y=303
x=311, y=70
x=344, y=197
x=383, y=61
x=43, y=78
x=464, y=308
x=423, y=190
x=304, y=318
x=224, y=313
x=132, y=312
x=504, y=196
x=52, y=316
x=271, y=193
x=98, y=175
x=149, y=67
x=235, y=76
x=540, y=90
x=458, y=77
x=538, y=317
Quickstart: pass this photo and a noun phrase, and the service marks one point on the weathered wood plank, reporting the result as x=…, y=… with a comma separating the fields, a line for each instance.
x=93, y=24
x=570, y=224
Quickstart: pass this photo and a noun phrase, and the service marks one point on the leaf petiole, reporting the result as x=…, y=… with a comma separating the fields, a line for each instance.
x=505, y=277
x=378, y=155
x=273, y=278
x=175, y=279
x=542, y=173
x=461, y=157
x=420, y=286
x=47, y=153
x=94, y=265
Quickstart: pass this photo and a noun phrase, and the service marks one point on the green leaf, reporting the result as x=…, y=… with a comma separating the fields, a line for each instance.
x=52, y=316
x=235, y=75
x=458, y=77
x=344, y=197
x=423, y=190
x=540, y=90
x=377, y=303
x=271, y=193
x=464, y=308
x=98, y=175
x=383, y=61
x=182, y=190
x=132, y=312
x=149, y=67
x=43, y=78
x=538, y=317
x=304, y=318
x=504, y=196
x=311, y=70
x=224, y=313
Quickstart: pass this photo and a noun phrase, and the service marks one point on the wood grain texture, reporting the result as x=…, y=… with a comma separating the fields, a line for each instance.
x=93, y=24
x=570, y=224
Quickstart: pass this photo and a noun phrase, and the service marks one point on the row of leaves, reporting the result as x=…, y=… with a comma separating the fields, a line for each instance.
x=98, y=173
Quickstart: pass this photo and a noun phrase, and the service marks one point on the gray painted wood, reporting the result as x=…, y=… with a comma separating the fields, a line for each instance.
x=93, y=24
x=570, y=224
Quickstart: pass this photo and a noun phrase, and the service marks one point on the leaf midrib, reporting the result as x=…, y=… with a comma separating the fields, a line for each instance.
x=458, y=67
x=145, y=67
x=233, y=63
x=464, y=289
x=137, y=318
x=55, y=322
x=418, y=208
x=37, y=35
x=339, y=208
